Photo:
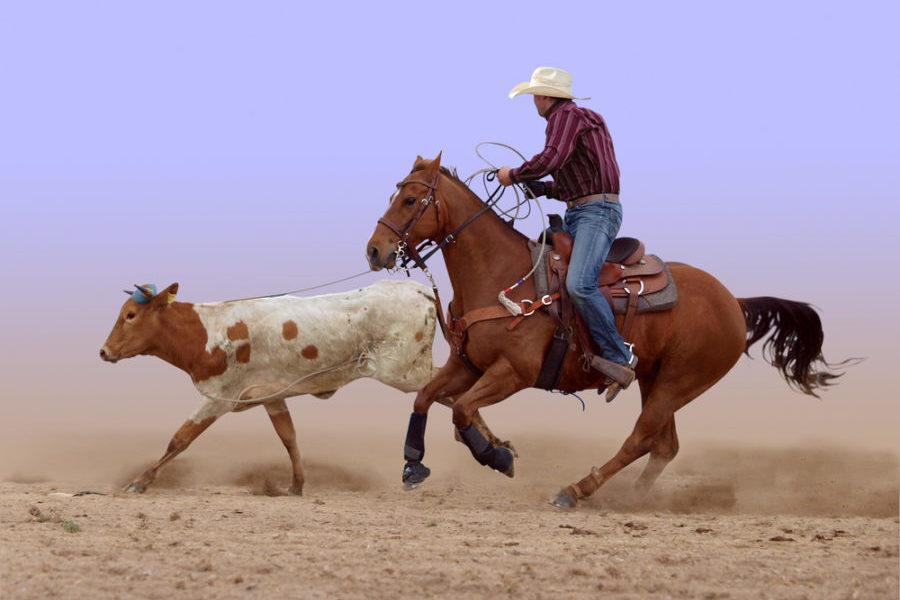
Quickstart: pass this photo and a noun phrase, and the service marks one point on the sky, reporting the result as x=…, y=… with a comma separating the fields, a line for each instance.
x=243, y=149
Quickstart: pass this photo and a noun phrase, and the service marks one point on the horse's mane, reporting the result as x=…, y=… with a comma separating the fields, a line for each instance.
x=452, y=175
x=444, y=171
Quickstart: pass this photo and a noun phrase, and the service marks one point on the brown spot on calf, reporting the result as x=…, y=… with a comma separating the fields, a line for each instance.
x=238, y=331
x=310, y=352
x=289, y=330
x=242, y=355
x=420, y=335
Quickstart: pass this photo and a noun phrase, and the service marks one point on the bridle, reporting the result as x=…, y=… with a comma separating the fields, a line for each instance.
x=404, y=251
x=407, y=253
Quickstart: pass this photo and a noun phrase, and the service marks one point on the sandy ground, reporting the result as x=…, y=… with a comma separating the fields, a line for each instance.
x=723, y=522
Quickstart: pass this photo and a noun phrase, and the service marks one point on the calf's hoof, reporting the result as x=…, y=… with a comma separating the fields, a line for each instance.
x=565, y=500
x=414, y=473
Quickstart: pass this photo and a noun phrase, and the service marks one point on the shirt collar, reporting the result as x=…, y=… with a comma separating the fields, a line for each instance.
x=557, y=106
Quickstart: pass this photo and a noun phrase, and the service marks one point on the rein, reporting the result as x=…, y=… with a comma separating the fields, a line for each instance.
x=407, y=254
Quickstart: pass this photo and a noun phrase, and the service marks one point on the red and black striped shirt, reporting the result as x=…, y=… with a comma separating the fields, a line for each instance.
x=579, y=155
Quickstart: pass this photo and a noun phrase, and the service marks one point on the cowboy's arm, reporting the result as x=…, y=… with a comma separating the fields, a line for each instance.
x=562, y=133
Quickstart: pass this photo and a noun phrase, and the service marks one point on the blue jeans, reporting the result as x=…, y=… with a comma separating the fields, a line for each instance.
x=594, y=227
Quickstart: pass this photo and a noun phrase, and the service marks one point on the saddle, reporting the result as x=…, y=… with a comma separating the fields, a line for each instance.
x=632, y=281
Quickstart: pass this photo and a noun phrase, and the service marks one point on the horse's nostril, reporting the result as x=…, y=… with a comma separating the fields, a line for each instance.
x=373, y=252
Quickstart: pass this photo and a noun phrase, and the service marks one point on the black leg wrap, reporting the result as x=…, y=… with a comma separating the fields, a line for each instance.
x=414, y=473
x=414, y=449
x=499, y=459
x=482, y=450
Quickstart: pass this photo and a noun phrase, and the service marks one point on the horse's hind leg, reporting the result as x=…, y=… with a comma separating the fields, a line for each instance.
x=662, y=451
x=649, y=433
x=651, y=422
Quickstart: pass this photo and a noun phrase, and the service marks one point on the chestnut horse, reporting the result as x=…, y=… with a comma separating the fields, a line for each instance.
x=682, y=352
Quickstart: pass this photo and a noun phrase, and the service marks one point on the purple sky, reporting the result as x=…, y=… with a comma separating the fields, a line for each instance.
x=248, y=148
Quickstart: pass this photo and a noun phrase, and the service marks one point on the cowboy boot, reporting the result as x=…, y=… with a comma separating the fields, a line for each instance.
x=619, y=376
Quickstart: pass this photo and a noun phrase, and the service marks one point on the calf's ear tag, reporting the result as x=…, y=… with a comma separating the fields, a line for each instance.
x=171, y=298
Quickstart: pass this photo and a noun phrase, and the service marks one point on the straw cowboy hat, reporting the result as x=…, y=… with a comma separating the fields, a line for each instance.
x=547, y=81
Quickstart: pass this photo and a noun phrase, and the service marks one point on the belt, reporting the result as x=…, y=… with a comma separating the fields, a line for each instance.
x=592, y=198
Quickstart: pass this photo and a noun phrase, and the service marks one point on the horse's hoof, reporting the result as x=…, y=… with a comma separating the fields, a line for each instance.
x=414, y=473
x=508, y=444
x=504, y=461
x=564, y=501
x=135, y=488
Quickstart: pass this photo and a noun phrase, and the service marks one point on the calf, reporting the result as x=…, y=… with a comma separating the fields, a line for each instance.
x=245, y=353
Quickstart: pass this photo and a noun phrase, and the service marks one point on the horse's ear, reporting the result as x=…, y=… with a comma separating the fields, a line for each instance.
x=433, y=167
x=418, y=162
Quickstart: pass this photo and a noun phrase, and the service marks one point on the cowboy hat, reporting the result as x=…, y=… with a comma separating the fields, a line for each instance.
x=547, y=81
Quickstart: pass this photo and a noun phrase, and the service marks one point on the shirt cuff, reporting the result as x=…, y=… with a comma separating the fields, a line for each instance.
x=550, y=189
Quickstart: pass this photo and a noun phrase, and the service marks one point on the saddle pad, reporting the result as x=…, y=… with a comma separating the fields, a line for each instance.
x=661, y=300
x=664, y=299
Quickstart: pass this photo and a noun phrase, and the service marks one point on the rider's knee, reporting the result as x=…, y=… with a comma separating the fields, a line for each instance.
x=578, y=290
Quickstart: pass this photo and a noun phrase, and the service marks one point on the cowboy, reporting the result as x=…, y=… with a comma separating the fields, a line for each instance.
x=579, y=155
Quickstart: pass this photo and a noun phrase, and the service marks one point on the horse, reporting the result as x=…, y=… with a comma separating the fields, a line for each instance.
x=682, y=352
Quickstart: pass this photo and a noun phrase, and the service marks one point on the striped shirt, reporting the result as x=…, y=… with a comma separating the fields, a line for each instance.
x=579, y=155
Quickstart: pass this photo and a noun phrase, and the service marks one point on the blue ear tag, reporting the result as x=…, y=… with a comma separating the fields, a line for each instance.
x=139, y=297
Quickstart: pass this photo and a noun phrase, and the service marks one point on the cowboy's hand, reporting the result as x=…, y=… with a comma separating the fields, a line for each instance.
x=503, y=176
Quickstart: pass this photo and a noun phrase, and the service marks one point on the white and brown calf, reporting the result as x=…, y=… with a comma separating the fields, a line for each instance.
x=245, y=353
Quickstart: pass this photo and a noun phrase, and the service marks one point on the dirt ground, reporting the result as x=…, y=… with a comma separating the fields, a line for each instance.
x=723, y=522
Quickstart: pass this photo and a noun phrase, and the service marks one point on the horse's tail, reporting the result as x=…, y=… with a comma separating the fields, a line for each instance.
x=795, y=346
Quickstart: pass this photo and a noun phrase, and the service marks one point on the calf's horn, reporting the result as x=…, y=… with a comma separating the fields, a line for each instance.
x=144, y=290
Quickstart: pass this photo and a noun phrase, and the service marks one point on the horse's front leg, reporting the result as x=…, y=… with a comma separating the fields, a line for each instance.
x=499, y=382
x=452, y=379
x=482, y=426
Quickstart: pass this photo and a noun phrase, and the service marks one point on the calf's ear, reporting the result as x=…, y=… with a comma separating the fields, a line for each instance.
x=165, y=297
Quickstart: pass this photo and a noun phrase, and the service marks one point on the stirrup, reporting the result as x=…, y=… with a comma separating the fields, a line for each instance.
x=621, y=374
x=615, y=387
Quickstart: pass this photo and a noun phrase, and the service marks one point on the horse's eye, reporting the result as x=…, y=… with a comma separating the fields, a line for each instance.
x=129, y=316
x=410, y=201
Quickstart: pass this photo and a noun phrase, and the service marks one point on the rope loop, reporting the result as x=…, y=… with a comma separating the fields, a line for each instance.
x=364, y=359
